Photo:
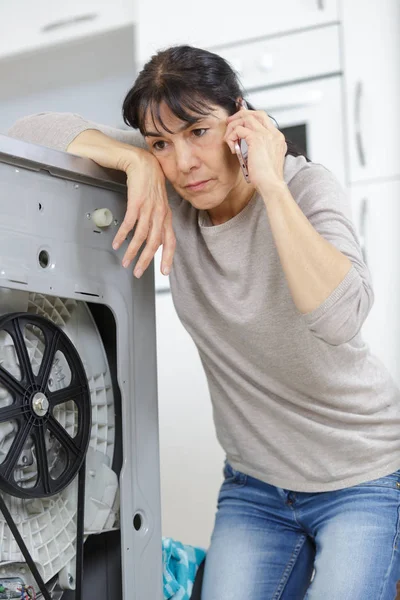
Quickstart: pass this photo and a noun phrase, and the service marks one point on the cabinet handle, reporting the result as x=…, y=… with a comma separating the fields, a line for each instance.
x=321, y=4
x=357, y=121
x=363, y=228
x=68, y=22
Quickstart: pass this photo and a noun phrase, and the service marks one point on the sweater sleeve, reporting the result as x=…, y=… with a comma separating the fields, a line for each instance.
x=58, y=130
x=324, y=202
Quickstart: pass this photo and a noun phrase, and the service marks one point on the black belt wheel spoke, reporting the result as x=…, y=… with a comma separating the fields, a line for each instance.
x=12, y=412
x=14, y=453
x=22, y=351
x=65, y=394
x=41, y=453
x=66, y=441
x=33, y=405
x=10, y=383
x=48, y=359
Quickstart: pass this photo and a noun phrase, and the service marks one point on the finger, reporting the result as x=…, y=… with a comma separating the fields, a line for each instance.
x=260, y=115
x=126, y=226
x=169, y=245
x=153, y=242
x=141, y=233
x=237, y=133
x=238, y=115
x=246, y=121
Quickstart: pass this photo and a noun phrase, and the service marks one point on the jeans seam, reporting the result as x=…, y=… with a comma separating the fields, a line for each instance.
x=288, y=569
x=385, y=579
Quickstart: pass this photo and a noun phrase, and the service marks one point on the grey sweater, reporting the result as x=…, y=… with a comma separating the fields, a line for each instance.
x=299, y=401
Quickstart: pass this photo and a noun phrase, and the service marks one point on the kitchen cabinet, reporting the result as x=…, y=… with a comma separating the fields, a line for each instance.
x=26, y=26
x=269, y=62
x=371, y=57
x=191, y=457
x=212, y=24
x=376, y=214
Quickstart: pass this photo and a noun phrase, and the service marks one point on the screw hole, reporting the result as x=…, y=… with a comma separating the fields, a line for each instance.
x=44, y=259
x=40, y=207
x=137, y=521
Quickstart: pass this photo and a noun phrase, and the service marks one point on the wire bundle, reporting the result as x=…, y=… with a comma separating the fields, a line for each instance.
x=27, y=592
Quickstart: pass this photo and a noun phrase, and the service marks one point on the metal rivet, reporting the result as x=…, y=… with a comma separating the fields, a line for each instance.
x=398, y=484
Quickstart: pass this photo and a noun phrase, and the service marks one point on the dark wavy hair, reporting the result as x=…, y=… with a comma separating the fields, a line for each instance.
x=189, y=80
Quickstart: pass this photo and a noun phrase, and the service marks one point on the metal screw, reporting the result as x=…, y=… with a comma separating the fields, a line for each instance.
x=40, y=404
x=76, y=186
x=70, y=579
x=88, y=215
x=116, y=221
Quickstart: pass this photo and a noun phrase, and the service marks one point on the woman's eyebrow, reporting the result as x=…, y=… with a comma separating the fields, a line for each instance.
x=181, y=128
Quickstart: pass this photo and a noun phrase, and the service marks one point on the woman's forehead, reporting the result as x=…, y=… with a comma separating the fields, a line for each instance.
x=157, y=116
x=160, y=117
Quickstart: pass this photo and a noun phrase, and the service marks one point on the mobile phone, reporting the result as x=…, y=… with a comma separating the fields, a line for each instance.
x=242, y=151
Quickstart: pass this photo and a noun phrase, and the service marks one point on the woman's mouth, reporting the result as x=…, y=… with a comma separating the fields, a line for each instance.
x=197, y=186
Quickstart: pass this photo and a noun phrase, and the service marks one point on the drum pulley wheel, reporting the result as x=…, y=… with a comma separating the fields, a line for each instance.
x=33, y=405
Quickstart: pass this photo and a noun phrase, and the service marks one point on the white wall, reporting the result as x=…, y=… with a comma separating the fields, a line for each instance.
x=89, y=78
x=98, y=101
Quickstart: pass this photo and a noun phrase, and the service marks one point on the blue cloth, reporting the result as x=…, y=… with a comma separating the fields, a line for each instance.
x=180, y=564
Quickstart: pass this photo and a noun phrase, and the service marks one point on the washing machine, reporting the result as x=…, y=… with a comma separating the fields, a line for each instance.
x=79, y=444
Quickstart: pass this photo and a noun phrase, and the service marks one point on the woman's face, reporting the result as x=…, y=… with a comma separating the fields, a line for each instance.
x=195, y=158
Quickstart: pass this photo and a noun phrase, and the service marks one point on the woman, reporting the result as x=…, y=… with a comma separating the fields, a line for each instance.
x=269, y=280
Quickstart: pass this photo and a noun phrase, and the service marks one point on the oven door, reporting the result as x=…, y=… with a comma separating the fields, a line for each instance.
x=310, y=114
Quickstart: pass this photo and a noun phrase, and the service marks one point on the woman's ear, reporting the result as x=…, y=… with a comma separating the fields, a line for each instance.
x=239, y=102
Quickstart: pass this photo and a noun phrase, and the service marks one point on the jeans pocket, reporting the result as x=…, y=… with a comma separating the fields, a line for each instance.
x=233, y=477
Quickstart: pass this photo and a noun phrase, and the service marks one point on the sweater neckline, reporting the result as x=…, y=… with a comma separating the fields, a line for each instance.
x=204, y=221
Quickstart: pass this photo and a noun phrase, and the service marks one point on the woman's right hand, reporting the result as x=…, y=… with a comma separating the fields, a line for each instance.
x=147, y=209
x=148, y=212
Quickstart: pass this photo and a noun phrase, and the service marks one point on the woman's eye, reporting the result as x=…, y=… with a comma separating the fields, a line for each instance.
x=199, y=132
x=160, y=145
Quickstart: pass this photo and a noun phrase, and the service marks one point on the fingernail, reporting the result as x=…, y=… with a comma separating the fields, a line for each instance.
x=115, y=246
x=138, y=273
x=125, y=263
x=166, y=270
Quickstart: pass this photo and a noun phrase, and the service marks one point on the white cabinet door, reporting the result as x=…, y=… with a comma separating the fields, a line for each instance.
x=212, y=23
x=372, y=73
x=376, y=214
x=191, y=458
x=27, y=25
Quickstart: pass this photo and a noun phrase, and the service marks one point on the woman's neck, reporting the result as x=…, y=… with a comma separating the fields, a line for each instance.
x=234, y=203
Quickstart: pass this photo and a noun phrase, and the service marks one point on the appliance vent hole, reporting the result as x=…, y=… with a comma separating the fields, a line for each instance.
x=44, y=259
x=137, y=521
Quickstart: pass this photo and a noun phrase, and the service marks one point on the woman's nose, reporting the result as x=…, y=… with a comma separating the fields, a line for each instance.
x=186, y=159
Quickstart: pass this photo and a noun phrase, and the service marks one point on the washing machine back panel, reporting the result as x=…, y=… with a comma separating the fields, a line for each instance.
x=55, y=239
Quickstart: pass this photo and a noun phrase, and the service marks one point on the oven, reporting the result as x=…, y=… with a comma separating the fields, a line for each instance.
x=310, y=115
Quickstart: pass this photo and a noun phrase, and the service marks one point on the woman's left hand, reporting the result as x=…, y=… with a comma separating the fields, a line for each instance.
x=267, y=147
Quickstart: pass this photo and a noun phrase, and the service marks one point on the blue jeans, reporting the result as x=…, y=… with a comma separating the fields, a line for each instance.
x=270, y=543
